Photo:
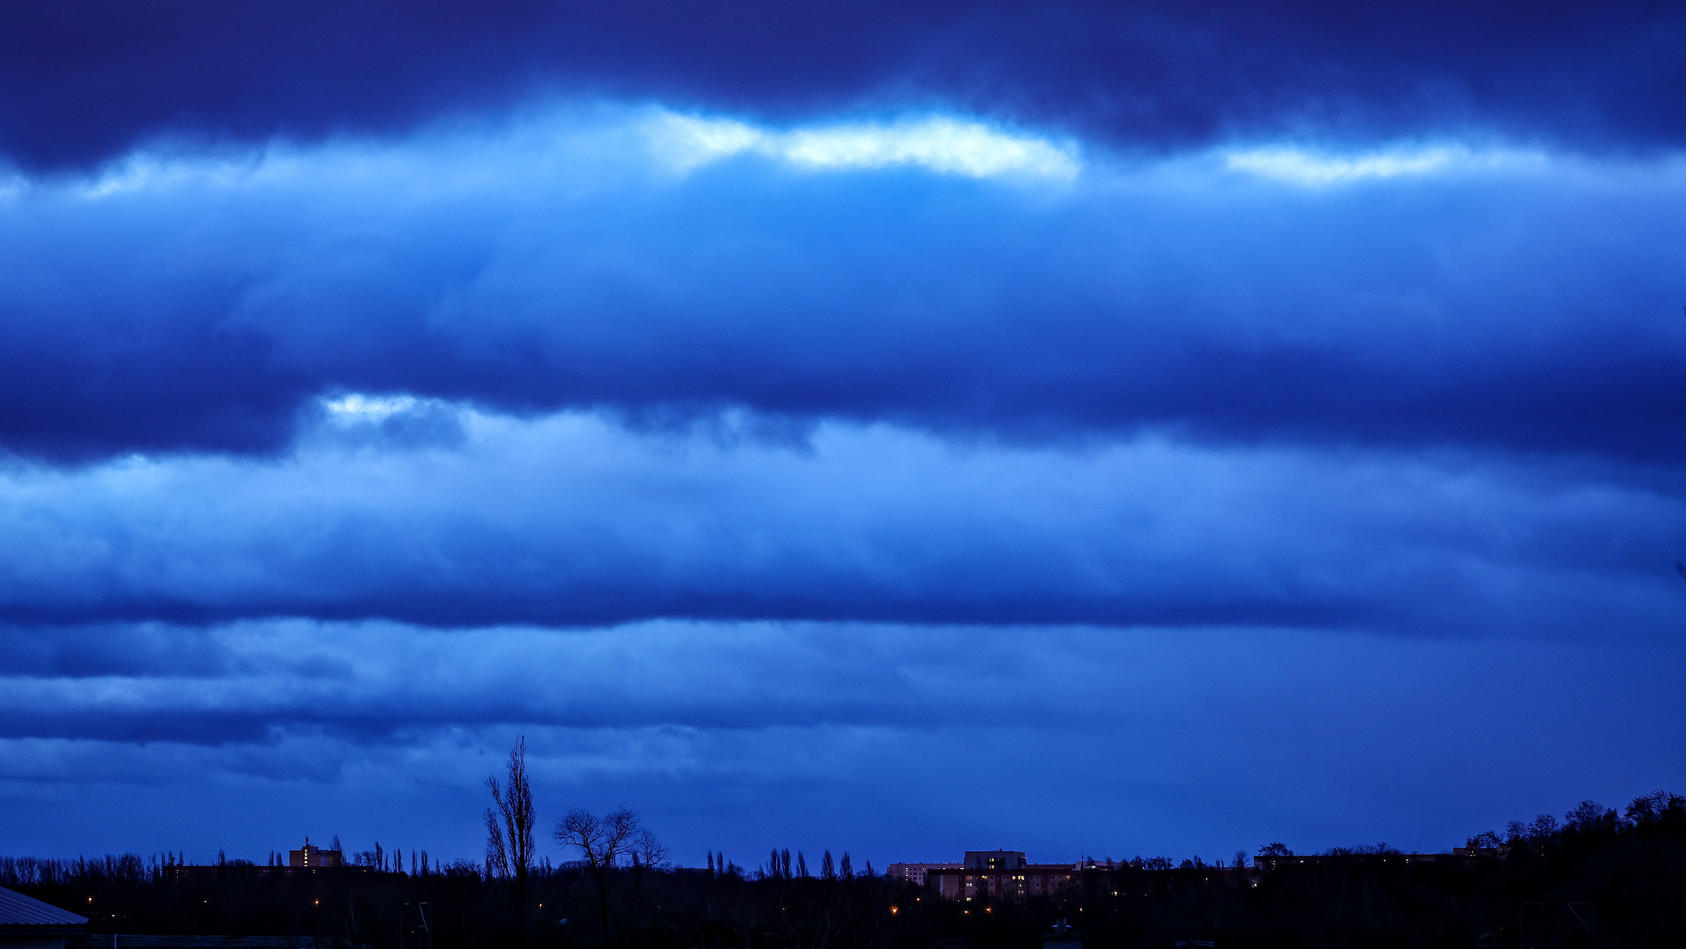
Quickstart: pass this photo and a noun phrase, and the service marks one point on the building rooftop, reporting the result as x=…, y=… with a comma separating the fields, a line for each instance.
x=19, y=910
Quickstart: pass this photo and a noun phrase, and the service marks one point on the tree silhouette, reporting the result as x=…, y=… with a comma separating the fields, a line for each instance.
x=509, y=825
x=613, y=846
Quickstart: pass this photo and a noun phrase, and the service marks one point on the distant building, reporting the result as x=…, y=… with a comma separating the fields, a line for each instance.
x=914, y=873
x=26, y=921
x=991, y=875
x=314, y=858
x=1480, y=849
x=1263, y=862
x=995, y=859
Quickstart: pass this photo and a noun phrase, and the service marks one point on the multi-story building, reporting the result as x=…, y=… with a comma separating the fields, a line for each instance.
x=310, y=857
x=992, y=875
x=915, y=872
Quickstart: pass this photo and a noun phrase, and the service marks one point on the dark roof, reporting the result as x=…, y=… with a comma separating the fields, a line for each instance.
x=19, y=910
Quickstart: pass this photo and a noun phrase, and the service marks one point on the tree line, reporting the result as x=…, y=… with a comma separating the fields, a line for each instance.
x=1597, y=876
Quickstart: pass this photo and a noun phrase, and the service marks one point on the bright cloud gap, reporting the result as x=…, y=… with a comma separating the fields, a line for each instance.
x=357, y=406
x=1313, y=168
x=941, y=144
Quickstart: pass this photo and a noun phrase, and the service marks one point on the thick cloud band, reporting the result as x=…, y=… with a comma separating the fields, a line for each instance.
x=940, y=275
x=568, y=521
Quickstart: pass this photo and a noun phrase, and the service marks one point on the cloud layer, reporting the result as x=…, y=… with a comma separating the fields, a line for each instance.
x=624, y=261
x=572, y=522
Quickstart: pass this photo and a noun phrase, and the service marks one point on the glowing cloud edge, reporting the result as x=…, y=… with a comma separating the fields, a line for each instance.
x=934, y=143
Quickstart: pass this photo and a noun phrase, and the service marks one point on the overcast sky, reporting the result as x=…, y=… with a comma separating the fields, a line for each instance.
x=901, y=429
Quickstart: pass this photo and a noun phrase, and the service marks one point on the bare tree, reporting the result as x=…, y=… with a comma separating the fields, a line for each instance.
x=509, y=824
x=613, y=846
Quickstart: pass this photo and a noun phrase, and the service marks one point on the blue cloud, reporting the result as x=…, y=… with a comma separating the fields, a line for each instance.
x=563, y=264
x=571, y=521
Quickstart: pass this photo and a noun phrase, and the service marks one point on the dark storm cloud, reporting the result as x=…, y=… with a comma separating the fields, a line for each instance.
x=97, y=651
x=139, y=726
x=340, y=683
x=196, y=304
x=88, y=80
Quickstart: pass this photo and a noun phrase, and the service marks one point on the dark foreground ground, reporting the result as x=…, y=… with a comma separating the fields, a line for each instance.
x=1600, y=878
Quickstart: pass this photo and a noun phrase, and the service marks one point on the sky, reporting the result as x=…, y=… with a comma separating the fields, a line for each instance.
x=1086, y=429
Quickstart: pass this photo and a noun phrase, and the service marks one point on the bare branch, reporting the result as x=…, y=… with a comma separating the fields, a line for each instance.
x=509, y=823
x=649, y=851
x=497, y=854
